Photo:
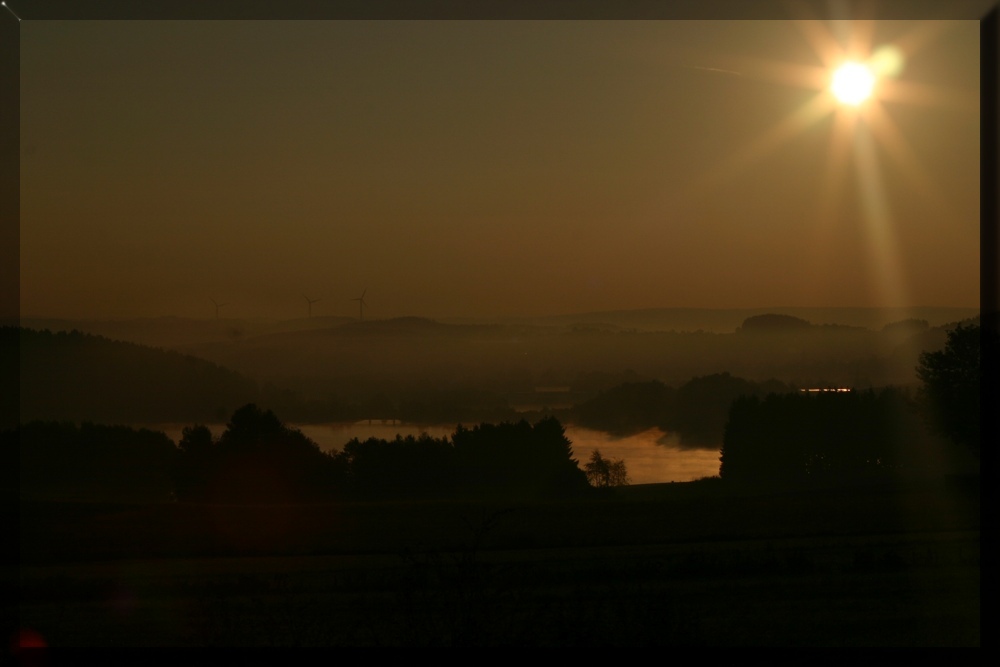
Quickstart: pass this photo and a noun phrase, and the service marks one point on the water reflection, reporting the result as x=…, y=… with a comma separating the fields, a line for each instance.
x=651, y=456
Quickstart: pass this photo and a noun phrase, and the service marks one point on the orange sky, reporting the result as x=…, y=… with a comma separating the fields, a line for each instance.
x=489, y=168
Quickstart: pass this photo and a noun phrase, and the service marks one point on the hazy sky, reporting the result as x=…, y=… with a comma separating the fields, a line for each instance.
x=478, y=168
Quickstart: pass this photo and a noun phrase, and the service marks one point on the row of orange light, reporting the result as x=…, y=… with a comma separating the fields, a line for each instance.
x=830, y=389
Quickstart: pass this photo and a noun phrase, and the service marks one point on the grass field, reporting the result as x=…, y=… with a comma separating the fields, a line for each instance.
x=681, y=564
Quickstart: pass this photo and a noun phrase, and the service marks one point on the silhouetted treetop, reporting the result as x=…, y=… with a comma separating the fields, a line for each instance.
x=256, y=459
x=702, y=405
x=696, y=411
x=627, y=408
x=605, y=473
x=410, y=467
x=250, y=425
x=951, y=380
x=195, y=440
x=260, y=460
x=517, y=459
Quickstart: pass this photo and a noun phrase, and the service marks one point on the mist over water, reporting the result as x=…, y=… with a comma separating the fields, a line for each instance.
x=651, y=456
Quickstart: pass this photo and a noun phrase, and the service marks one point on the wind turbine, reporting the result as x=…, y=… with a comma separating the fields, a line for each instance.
x=310, y=302
x=361, y=305
x=217, y=306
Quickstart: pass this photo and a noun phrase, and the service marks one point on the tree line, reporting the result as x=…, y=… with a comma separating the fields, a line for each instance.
x=780, y=437
x=696, y=411
x=796, y=437
x=785, y=438
x=259, y=459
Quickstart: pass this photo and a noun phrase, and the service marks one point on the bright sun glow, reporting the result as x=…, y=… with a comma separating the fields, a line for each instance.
x=859, y=125
x=852, y=83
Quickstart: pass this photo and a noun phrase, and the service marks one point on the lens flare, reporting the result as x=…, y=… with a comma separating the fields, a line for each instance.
x=886, y=61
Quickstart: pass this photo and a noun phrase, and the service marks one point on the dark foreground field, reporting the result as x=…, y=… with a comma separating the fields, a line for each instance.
x=680, y=564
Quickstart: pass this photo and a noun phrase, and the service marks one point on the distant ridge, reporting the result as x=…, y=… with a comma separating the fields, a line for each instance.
x=178, y=332
x=411, y=325
x=84, y=377
x=174, y=332
x=727, y=320
x=392, y=327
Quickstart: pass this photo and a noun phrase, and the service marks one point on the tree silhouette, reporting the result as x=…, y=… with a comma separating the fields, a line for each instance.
x=194, y=464
x=488, y=460
x=763, y=440
x=792, y=438
x=407, y=467
x=701, y=406
x=627, y=408
x=256, y=460
x=604, y=473
x=951, y=379
x=519, y=459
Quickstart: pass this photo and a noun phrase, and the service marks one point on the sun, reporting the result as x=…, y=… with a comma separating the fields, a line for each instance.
x=852, y=83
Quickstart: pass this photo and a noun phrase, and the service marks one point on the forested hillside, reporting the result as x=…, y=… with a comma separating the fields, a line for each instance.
x=80, y=377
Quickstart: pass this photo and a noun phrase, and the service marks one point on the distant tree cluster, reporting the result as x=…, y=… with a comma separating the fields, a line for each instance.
x=951, y=379
x=256, y=460
x=702, y=405
x=697, y=411
x=410, y=467
x=796, y=437
x=627, y=408
x=605, y=473
x=507, y=459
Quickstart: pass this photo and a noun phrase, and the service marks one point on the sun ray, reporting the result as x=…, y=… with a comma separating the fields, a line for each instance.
x=765, y=69
x=862, y=129
x=883, y=252
x=815, y=108
x=923, y=33
x=898, y=148
x=911, y=92
x=831, y=191
x=855, y=37
x=823, y=43
x=789, y=74
x=862, y=37
x=833, y=181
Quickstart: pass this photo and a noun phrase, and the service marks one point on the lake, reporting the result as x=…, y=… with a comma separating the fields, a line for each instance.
x=651, y=456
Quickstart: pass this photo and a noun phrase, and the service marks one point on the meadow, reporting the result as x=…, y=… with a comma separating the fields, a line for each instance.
x=698, y=563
